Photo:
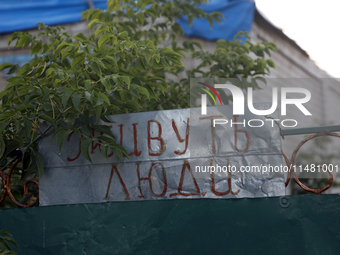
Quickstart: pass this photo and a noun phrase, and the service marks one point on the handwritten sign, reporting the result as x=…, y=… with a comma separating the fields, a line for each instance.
x=173, y=154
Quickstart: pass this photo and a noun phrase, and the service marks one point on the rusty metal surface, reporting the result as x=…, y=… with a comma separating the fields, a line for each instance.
x=162, y=165
x=291, y=164
x=7, y=186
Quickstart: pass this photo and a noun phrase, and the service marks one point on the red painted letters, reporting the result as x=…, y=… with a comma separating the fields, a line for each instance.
x=149, y=179
x=114, y=169
x=157, y=138
x=179, y=138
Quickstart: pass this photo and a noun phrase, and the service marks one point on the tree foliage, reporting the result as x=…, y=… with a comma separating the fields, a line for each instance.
x=123, y=66
x=5, y=239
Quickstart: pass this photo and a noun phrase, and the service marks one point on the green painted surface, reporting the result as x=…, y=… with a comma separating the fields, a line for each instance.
x=310, y=225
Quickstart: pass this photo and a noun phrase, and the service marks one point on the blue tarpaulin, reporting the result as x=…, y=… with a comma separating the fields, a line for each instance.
x=238, y=16
x=18, y=15
x=15, y=59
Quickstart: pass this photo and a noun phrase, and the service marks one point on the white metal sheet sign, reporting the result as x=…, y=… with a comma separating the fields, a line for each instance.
x=173, y=154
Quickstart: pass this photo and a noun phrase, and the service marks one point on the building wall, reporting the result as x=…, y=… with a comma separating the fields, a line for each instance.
x=292, y=62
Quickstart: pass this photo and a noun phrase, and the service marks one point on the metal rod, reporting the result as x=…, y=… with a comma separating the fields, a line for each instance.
x=311, y=130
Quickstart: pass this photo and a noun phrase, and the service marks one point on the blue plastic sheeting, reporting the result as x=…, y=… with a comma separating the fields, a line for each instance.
x=19, y=59
x=238, y=16
x=18, y=15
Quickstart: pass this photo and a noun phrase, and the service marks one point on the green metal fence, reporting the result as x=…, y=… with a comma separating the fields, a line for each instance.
x=308, y=224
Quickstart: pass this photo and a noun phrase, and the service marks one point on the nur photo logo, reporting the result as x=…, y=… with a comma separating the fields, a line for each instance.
x=204, y=97
x=239, y=101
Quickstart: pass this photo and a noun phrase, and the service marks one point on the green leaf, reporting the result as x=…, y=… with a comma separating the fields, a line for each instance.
x=6, y=115
x=43, y=70
x=3, y=245
x=105, y=119
x=165, y=62
x=141, y=90
x=99, y=63
x=100, y=30
x=24, y=69
x=85, y=145
x=106, y=82
x=80, y=37
x=22, y=39
x=56, y=82
x=190, y=19
x=39, y=163
x=96, y=68
x=124, y=35
x=105, y=98
x=3, y=125
x=126, y=79
x=13, y=69
x=92, y=24
x=12, y=37
x=111, y=60
x=118, y=148
x=62, y=46
x=104, y=39
x=88, y=96
x=5, y=232
x=105, y=129
x=155, y=64
x=140, y=18
x=88, y=85
x=49, y=119
x=77, y=60
x=140, y=65
x=67, y=92
x=157, y=57
x=23, y=91
x=28, y=127
x=36, y=47
x=104, y=151
x=2, y=146
x=32, y=72
x=165, y=50
x=12, y=241
x=98, y=111
x=49, y=72
x=3, y=93
x=106, y=139
x=211, y=22
x=12, y=145
x=66, y=52
x=76, y=97
x=271, y=63
x=5, y=65
x=60, y=137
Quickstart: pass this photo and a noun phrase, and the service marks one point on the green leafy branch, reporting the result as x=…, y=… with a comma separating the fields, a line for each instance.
x=5, y=239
